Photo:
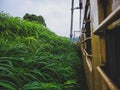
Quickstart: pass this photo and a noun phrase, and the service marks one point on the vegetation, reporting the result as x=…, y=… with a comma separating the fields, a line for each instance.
x=34, y=18
x=34, y=58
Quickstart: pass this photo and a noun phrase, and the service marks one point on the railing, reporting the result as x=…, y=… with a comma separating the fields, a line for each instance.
x=106, y=79
x=88, y=61
x=110, y=19
x=88, y=38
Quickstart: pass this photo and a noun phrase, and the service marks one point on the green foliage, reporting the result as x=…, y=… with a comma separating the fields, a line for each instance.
x=42, y=86
x=34, y=58
x=7, y=86
x=32, y=17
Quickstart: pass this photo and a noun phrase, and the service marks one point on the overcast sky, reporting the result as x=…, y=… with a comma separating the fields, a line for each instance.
x=56, y=13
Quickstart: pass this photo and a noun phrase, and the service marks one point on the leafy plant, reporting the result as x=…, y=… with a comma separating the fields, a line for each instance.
x=32, y=17
x=42, y=86
x=34, y=58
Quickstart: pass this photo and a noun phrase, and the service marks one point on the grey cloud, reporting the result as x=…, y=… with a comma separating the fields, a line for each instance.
x=55, y=12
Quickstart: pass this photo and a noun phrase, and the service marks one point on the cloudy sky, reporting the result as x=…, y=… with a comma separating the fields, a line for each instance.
x=56, y=13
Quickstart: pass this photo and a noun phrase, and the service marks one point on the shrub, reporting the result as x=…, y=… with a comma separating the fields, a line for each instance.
x=33, y=57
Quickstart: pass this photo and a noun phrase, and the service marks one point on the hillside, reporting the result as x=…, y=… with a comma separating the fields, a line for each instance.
x=34, y=58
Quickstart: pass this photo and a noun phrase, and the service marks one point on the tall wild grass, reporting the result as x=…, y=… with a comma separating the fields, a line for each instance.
x=34, y=58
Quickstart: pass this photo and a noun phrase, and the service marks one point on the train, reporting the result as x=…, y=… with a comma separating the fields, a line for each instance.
x=100, y=43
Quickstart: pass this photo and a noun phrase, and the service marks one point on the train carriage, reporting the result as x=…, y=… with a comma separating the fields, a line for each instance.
x=100, y=44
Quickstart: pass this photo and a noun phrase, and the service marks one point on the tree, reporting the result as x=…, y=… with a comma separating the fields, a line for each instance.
x=32, y=17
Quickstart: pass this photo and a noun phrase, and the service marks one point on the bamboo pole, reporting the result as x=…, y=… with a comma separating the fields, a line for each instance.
x=108, y=82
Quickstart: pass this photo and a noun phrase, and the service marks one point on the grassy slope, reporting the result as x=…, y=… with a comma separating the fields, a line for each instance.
x=34, y=58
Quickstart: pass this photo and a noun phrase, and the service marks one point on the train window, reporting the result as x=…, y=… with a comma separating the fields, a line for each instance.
x=112, y=66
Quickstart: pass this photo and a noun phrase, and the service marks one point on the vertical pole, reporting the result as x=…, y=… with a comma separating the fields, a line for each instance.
x=71, y=27
x=74, y=35
x=80, y=7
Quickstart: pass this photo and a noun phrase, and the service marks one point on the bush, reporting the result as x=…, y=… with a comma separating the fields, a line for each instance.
x=33, y=57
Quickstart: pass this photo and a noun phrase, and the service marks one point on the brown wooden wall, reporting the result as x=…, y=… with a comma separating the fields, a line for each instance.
x=100, y=44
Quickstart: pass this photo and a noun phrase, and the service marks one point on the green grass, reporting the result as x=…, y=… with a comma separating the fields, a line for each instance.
x=34, y=58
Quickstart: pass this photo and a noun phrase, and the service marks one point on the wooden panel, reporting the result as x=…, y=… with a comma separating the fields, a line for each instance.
x=114, y=25
x=96, y=61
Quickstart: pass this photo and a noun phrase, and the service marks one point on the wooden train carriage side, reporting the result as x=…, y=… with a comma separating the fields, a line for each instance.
x=100, y=44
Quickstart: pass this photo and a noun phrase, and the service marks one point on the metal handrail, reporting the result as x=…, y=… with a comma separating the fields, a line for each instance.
x=110, y=19
x=89, y=64
x=107, y=80
x=89, y=55
x=88, y=38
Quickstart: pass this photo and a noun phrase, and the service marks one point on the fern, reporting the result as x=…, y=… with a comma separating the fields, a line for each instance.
x=7, y=86
x=42, y=86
